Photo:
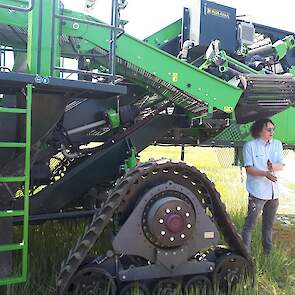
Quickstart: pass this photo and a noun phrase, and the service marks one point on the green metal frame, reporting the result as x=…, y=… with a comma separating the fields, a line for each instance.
x=165, y=35
x=23, y=245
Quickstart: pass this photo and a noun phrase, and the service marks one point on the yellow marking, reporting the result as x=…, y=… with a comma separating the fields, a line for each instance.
x=228, y=109
x=175, y=77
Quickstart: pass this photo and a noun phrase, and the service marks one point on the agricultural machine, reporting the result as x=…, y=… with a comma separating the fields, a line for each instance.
x=70, y=137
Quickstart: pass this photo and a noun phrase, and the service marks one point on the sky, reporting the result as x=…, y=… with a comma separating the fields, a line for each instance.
x=148, y=16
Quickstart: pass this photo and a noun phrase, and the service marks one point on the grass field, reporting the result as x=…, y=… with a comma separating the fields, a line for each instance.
x=50, y=242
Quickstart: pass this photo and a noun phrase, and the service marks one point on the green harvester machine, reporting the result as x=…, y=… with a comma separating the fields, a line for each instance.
x=70, y=137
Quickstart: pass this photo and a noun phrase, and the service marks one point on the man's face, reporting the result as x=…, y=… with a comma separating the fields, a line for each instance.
x=267, y=131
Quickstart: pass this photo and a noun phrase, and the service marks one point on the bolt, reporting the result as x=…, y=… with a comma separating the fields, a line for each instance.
x=187, y=214
x=211, y=268
x=178, y=208
x=163, y=233
x=182, y=236
x=123, y=277
x=161, y=220
x=172, y=239
x=76, y=26
x=168, y=210
x=189, y=225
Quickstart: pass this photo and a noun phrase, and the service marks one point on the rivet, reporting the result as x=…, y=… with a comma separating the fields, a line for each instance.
x=163, y=233
x=182, y=236
x=189, y=225
x=178, y=208
x=76, y=26
x=161, y=220
x=168, y=210
x=172, y=239
x=187, y=214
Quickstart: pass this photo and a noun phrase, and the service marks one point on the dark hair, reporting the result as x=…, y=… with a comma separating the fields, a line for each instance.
x=258, y=125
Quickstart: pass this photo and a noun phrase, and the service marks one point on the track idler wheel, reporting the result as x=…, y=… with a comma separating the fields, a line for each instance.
x=135, y=288
x=198, y=285
x=91, y=280
x=232, y=271
x=167, y=287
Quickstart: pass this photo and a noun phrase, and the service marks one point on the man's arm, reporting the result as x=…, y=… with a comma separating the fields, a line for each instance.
x=255, y=172
x=278, y=166
x=249, y=165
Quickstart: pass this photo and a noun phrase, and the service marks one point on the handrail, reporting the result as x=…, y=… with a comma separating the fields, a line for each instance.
x=114, y=28
x=88, y=22
x=20, y=9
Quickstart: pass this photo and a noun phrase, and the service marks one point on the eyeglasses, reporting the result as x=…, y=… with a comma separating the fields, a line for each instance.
x=270, y=129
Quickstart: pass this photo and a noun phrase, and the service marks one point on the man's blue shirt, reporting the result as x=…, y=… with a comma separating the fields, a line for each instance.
x=256, y=153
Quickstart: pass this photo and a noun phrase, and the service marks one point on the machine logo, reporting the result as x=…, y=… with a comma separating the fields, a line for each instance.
x=217, y=12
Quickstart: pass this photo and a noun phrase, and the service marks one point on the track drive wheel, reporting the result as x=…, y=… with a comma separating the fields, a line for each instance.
x=198, y=285
x=91, y=280
x=232, y=271
x=135, y=288
x=167, y=287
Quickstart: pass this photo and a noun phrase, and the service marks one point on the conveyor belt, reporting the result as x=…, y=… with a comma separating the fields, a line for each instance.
x=265, y=96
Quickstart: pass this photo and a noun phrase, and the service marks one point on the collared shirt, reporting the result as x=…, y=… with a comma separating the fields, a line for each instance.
x=256, y=153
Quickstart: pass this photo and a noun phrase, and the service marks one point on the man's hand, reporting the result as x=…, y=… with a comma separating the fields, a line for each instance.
x=255, y=172
x=269, y=165
x=270, y=176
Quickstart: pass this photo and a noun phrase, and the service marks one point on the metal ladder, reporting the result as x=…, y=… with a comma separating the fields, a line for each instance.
x=23, y=245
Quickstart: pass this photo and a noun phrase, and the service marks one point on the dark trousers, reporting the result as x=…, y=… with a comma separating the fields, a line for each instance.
x=268, y=209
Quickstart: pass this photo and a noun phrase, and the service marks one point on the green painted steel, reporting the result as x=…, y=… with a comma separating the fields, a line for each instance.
x=43, y=35
x=12, y=145
x=165, y=35
x=201, y=85
x=114, y=118
x=282, y=47
x=12, y=247
x=23, y=246
x=12, y=110
x=12, y=179
x=212, y=90
x=131, y=162
x=11, y=213
x=12, y=17
x=27, y=182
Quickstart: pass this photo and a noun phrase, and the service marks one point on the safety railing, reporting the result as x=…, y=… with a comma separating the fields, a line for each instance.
x=114, y=30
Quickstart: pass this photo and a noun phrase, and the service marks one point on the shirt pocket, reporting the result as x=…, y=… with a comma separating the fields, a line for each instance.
x=259, y=155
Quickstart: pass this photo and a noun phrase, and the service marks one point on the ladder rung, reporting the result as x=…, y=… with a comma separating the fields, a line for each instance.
x=11, y=247
x=12, y=179
x=12, y=110
x=12, y=145
x=11, y=213
x=12, y=280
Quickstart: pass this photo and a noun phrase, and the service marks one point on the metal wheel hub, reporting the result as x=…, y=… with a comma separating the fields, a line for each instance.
x=168, y=219
x=198, y=285
x=167, y=287
x=230, y=270
x=92, y=280
x=134, y=288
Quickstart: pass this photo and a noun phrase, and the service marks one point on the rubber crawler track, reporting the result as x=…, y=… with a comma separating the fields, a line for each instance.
x=121, y=191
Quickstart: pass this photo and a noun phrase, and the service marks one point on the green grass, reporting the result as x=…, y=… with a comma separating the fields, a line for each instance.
x=50, y=242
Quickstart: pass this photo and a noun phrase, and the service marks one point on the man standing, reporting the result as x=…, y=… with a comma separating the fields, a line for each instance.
x=263, y=157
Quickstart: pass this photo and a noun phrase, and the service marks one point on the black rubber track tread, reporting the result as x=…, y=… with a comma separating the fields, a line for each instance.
x=122, y=195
